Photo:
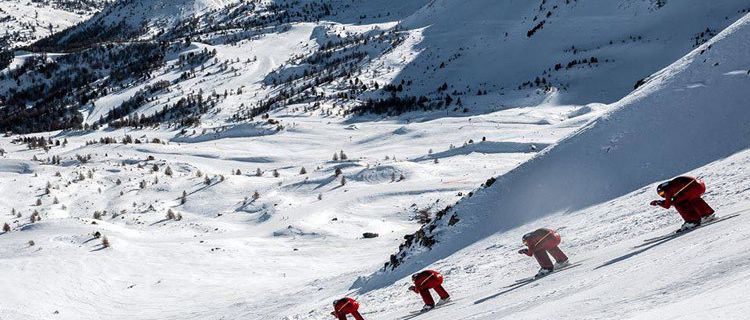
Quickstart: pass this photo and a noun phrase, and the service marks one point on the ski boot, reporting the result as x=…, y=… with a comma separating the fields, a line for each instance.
x=687, y=226
x=443, y=301
x=561, y=265
x=708, y=218
x=543, y=272
x=427, y=307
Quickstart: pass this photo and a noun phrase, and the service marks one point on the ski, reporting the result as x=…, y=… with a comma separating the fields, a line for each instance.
x=532, y=279
x=417, y=313
x=678, y=233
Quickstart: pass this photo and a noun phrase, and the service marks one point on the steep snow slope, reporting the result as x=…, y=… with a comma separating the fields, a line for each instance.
x=486, y=44
x=594, y=186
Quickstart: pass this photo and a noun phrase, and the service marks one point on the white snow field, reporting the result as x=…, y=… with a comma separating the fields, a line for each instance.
x=583, y=156
x=27, y=21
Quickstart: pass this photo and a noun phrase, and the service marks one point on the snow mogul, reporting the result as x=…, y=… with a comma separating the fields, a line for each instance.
x=344, y=307
x=542, y=243
x=684, y=193
x=426, y=280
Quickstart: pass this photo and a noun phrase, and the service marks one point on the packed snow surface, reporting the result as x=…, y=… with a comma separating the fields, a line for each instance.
x=254, y=220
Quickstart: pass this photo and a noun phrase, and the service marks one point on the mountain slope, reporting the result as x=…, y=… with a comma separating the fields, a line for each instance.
x=396, y=57
x=24, y=22
x=595, y=185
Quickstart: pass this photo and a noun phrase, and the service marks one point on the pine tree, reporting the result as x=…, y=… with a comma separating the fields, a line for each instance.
x=105, y=242
x=168, y=171
x=183, y=199
x=256, y=195
x=343, y=180
x=343, y=156
x=170, y=214
x=258, y=173
x=275, y=173
x=335, y=156
x=337, y=172
x=6, y=227
x=303, y=171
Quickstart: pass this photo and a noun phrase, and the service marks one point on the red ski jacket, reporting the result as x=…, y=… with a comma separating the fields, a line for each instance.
x=345, y=306
x=541, y=239
x=680, y=189
x=428, y=279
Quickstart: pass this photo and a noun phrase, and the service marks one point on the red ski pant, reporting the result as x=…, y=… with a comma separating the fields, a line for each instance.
x=542, y=256
x=427, y=297
x=692, y=210
x=357, y=316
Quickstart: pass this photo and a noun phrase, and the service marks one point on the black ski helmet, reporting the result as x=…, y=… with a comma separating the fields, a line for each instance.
x=661, y=189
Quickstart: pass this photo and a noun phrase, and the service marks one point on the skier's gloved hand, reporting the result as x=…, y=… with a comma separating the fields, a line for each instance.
x=523, y=251
x=413, y=288
x=657, y=202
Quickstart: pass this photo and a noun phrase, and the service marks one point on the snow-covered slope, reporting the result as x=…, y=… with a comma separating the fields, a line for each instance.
x=23, y=22
x=594, y=186
x=489, y=45
x=202, y=140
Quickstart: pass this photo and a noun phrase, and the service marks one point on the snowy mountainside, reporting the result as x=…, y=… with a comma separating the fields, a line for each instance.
x=402, y=56
x=196, y=159
x=24, y=22
x=595, y=186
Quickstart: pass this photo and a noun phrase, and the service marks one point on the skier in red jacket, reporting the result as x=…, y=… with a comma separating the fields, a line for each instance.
x=426, y=280
x=684, y=193
x=542, y=243
x=345, y=306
